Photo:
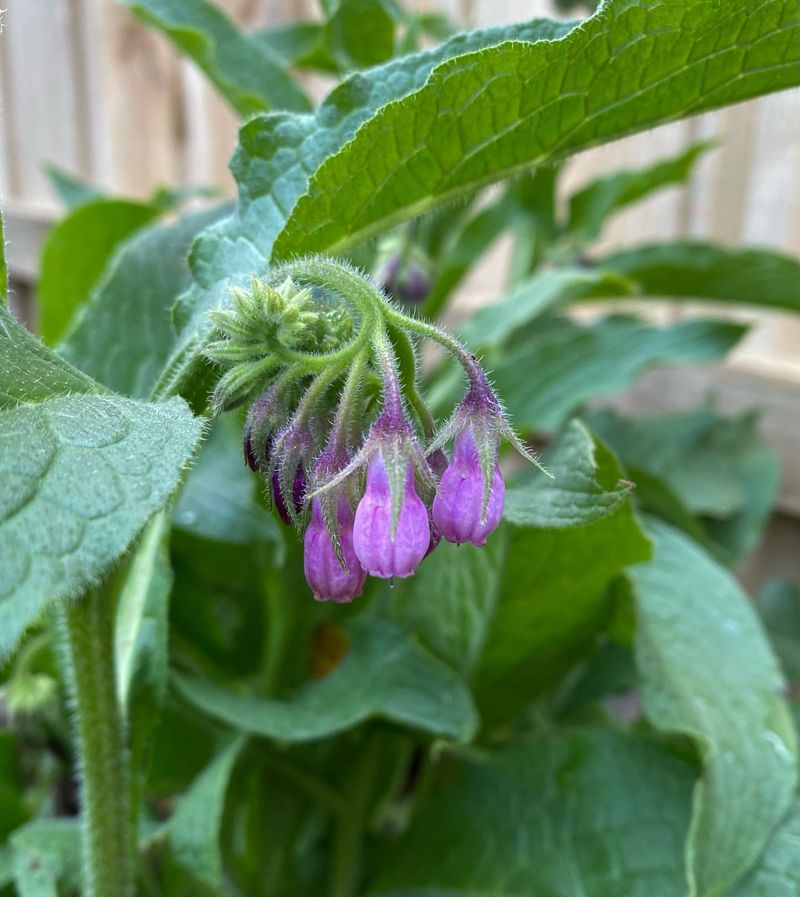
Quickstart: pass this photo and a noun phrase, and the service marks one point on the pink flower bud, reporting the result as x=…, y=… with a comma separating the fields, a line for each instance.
x=329, y=580
x=381, y=553
x=458, y=505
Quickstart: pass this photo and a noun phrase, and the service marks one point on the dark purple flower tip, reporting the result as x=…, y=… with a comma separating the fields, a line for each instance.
x=329, y=580
x=298, y=493
x=381, y=553
x=407, y=282
x=266, y=412
x=458, y=508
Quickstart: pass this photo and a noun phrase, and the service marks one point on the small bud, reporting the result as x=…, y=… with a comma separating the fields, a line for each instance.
x=298, y=494
x=331, y=579
x=406, y=281
x=460, y=511
x=382, y=549
x=263, y=417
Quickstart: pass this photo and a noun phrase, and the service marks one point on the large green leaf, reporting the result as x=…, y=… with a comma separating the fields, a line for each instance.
x=194, y=828
x=590, y=206
x=80, y=474
x=384, y=673
x=277, y=154
x=125, y=333
x=588, y=813
x=569, y=537
x=685, y=269
x=550, y=372
x=777, y=873
x=247, y=74
x=46, y=853
x=75, y=254
x=361, y=32
x=716, y=467
x=708, y=672
x=485, y=116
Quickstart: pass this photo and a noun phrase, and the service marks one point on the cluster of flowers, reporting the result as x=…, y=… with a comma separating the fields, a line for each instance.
x=347, y=461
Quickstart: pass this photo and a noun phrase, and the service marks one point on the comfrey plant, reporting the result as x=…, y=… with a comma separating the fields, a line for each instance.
x=341, y=433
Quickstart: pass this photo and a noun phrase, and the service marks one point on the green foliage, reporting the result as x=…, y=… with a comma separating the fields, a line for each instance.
x=77, y=251
x=245, y=72
x=3, y=269
x=698, y=637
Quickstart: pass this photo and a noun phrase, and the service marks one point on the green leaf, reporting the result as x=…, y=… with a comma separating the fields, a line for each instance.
x=555, y=369
x=716, y=467
x=569, y=538
x=135, y=298
x=684, y=269
x=46, y=853
x=222, y=499
x=75, y=254
x=486, y=116
x=492, y=324
x=592, y=813
x=779, y=607
x=72, y=191
x=140, y=632
x=707, y=672
x=384, y=673
x=3, y=268
x=777, y=873
x=360, y=33
x=194, y=829
x=593, y=204
x=299, y=44
x=272, y=165
x=244, y=71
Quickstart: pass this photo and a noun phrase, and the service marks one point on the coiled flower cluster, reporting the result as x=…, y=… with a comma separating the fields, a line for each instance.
x=338, y=428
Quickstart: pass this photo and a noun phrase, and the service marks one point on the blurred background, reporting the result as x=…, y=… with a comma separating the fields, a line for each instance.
x=88, y=88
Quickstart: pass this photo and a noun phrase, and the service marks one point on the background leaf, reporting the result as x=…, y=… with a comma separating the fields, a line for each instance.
x=384, y=673
x=777, y=873
x=3, y=268
x=592, y=813
x=46, y=853
x=242, y=69
x=360, y=33
x=485, y=116
x=75, y=254
x=686, y=269
x=707, y=671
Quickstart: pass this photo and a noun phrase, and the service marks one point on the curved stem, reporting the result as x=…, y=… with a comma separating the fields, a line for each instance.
x=407, y=360
x=101, y=746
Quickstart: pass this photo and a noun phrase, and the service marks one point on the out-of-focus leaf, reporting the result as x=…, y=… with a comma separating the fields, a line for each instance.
x=77, y=251
x=125, y=332
x=245, y=72
x=707, y=671
x=384, y=673
x=777, y=872
x=194, y=828
x=46, y=854
x=685, y=269
x=552, y=371
x=360, y=33
x=779, y=606
x=593, y=813
x=486, y=116
x=219, y=499
x=3, y=267
x=569, y=537
x=72, y=191
x=590, y=207
x=491, y=325
x=716, y=467
x=299, y=44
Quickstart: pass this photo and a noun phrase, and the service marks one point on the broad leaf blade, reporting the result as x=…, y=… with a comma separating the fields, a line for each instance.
x=247, y=74
x=686, y=269
x=707, y=671
x=384, y=673
x=592, y=813
x=485, y=116
x=360, y=33
x=777, y=873
x=76, y=252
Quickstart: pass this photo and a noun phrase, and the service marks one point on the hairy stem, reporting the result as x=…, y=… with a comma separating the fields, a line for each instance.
x=100, y=740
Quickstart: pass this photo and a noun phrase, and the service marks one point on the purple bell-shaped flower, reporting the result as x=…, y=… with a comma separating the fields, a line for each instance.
x=461, y=511
x=384, y=549
x=330, y=578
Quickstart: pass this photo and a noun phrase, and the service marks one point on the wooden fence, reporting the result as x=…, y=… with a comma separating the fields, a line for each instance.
x=85, y=86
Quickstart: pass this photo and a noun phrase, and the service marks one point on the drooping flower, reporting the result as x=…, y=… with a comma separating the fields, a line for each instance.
x=298, y=492
x=390, y=543
x=461, y=510
x=265, y=415
x=331, y=577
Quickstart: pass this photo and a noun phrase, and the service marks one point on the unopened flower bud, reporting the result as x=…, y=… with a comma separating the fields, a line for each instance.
x=297, y=496
x=330, y=578
x=461, y=510
x=385, y=550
